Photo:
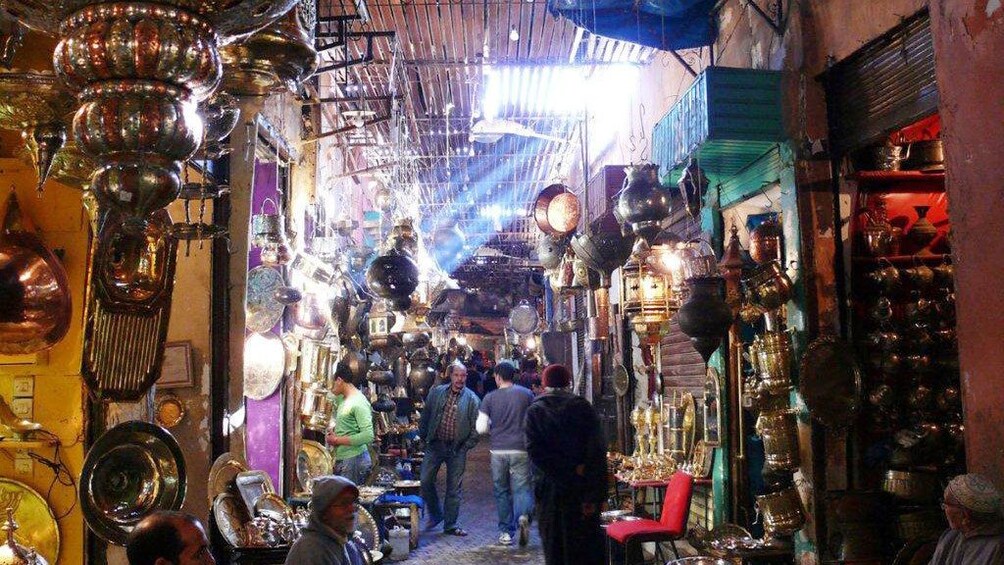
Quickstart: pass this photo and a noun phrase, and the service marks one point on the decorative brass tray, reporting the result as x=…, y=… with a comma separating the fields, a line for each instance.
x=312, y=461
x=38, y=528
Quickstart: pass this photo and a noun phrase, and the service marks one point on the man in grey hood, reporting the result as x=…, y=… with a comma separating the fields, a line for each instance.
x=327, y=538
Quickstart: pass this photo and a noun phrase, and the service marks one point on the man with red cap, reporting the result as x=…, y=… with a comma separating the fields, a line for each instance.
x=566, y=447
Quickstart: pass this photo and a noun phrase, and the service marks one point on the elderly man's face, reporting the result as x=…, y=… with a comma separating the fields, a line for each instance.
x=341, y=513
x=458, y=378
x=954, y=512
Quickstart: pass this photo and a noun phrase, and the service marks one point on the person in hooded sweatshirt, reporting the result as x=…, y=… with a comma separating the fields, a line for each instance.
x=566, y=448
x=326, y=540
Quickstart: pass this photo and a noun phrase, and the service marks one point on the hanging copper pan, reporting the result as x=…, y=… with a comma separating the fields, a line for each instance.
x=35, y=306
x=557, y=210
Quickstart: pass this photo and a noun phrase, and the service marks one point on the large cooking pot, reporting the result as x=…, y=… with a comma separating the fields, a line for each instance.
x=772, y=352
x=780, y=439
x=782, y=512
x=35, y=304
x=557, y=210
x=927, y=156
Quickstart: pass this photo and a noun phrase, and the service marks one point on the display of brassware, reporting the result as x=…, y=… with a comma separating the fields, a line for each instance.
x=131, y=471
x=36, y=308
x=36, y=526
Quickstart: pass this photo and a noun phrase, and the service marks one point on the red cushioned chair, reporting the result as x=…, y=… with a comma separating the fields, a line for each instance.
x=672, y=524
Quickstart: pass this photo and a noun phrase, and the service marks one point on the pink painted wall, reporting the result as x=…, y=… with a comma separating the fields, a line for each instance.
x=969, y=40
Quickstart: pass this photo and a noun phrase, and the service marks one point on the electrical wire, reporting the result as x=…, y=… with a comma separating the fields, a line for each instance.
x=61, y=473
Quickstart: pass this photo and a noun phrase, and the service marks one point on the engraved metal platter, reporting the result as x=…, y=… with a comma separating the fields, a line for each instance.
x=222, y=474
x=830, y=382
x=264, y=365
x=622, y=381
x=252, y=485
x=312, y=461
x=231, y=516
x=37, y=525
x=272, y=506
x=367, y=527
x=263, y=311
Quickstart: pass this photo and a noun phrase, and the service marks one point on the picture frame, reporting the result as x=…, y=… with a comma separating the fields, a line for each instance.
x=177, y=370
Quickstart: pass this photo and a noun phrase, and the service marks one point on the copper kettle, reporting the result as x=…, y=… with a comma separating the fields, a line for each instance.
x=35, y=306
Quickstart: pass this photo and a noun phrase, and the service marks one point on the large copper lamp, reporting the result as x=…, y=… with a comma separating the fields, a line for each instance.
x=139, y=69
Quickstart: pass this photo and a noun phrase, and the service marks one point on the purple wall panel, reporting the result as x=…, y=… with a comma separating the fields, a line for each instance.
x=264, y=417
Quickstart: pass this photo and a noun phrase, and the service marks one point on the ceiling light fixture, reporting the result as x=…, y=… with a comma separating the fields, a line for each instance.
x=514, y=34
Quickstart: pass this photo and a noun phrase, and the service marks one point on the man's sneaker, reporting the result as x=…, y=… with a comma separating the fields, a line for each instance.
x=524, y=530
x=505, y=538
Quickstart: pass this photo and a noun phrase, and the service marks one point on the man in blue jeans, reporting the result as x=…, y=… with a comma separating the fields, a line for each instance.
x=447, y=427
x=502, y=413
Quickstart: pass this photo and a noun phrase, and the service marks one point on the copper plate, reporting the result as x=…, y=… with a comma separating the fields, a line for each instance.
x=312, y=461
x=231, y=516
x=557, y=210
x=264, y=365
x=830, y=382
x=262, y=309
x=222, y=474
x=37, y=526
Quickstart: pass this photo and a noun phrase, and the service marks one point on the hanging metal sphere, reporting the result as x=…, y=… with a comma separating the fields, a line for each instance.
x=394, y=277
x=644, y=203
x=705, y=316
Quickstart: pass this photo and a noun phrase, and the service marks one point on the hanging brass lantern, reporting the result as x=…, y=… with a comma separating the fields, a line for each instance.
x=766, y=241
x=643, y=204
x=647, y=298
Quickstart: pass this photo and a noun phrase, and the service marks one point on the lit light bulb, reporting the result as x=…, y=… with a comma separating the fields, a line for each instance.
x=531, y=343
x=514, y=34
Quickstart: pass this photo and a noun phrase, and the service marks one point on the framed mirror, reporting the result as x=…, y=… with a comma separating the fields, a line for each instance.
x=712, y=408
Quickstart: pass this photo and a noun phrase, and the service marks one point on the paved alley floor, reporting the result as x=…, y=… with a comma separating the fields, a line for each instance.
x=479, y=518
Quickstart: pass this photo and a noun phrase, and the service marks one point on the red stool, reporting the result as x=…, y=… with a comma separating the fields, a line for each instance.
x=671, y=526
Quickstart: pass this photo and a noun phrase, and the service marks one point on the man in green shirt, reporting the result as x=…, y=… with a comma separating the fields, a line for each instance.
x=352, y=430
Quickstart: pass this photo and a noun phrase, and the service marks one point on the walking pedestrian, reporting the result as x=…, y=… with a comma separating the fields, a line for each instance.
x=448, y=427
x=352, y=429
x=502, y=414
x=566, y=447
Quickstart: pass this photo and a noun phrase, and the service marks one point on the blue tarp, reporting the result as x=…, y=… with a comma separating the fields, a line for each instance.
x=662, y=24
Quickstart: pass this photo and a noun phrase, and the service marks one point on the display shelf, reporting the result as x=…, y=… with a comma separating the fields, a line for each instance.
x=902, y=181
x=902, y=259
x=9, y=444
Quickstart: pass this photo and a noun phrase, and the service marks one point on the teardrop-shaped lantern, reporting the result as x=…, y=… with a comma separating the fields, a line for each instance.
x=644, y=203
x=394, y=277
x=35, y=305
x=705, y=316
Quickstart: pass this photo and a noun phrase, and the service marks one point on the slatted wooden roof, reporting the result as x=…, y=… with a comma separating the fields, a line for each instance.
x=434, y=64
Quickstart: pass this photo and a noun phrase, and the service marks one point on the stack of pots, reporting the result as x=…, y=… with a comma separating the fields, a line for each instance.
x=767, y=289
x=315, y=370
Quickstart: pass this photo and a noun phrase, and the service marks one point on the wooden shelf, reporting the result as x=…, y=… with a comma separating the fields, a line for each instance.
x=29, y=444
x=901, y=181
x=902, y=259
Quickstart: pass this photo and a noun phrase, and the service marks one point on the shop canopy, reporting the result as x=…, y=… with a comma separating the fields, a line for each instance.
x=662, y=24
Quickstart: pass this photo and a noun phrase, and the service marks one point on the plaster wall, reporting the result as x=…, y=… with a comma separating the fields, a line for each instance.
x=968, y=41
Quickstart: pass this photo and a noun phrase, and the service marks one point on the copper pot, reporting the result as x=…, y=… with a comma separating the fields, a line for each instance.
x=765, y=241
x=782, y=512
x=912, y=486
x=35, y=306
x=780, y=439
x=557, y=210
x=773, y=360
x=769, y=286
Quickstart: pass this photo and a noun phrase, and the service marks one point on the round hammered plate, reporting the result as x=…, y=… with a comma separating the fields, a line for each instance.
x=230, y=515
x=170, y=411
x=264, y=365
x=222, y=474
x=621, y=380
x=524, y=319
x=37, y=526
x=262, y=309
x=367, y=526
x=312, y=461
x=830, y=382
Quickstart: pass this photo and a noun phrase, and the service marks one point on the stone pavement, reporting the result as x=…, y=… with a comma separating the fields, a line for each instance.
x=478, y=517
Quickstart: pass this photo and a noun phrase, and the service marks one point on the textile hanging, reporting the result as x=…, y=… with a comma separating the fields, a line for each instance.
x=661, y=24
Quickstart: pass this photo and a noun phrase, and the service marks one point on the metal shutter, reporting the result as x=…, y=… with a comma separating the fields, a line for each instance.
x=885, y=84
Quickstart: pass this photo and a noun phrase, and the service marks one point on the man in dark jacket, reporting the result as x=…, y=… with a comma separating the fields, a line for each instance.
x=566, y=448
x=448, y=428
x=327, y=538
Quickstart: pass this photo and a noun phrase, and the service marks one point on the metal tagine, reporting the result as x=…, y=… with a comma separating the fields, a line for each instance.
x=35, y=305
